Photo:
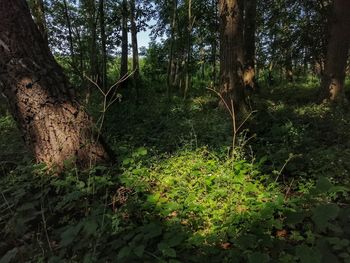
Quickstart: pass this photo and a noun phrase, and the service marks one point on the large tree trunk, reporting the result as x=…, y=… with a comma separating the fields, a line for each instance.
x=338, y=47
x=124, y=58
x=54, y=125
x=231, y=64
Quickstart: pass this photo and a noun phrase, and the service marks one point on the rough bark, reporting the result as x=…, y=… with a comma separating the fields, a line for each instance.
x=53, y=124
x=231, y=64
x=124, y=58
x=332, y=86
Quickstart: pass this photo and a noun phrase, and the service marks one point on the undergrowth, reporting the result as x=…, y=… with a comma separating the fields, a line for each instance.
x=177, y=195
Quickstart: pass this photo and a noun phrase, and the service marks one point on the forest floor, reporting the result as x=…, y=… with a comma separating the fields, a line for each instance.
x=178, y=195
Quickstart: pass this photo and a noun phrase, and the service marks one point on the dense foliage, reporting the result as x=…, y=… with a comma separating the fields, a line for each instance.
x=186, y=185
x=178, y=196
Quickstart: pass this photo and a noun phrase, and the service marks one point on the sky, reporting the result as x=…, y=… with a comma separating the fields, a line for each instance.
x=143, y=38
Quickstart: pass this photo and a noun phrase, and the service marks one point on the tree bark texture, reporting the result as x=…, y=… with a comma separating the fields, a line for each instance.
x=231, y=64
x=53, y=124
x=337, y=53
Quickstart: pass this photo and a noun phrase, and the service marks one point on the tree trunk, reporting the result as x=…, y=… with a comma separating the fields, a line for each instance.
x=38, y=12
x=77, y=71
x=231, y=75
x=93, y=58
x=214, y=43
x=53, y=124
x=171, y=53
x=124, y=58
x=332, y=86
x=189, y=49
x=103, y=45
x=135, y=48
x=249, y=44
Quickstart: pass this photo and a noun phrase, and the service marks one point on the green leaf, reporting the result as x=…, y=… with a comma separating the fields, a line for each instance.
x=258, y=257
x=90, y=227
x=124, y=252
x=308, y=255
x=9, y=256
x=294, y=217
x=323, y=185
x=139, y=250
x=152, y=230
x=153, y=198
x=322, y=214
x=169, y=252
x=246, y=241
x=68, y=236
x=142, y=151
x=127, y=161
x=175, y=240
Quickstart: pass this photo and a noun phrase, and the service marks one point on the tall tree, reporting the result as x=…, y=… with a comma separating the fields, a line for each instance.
x=124, y=58
x=103, y=44
x=231, y=64
x=249, y=44
x=91, y=16
x=135, y=48
x=337, y=53
x=54, y=125
x=190, y=21
x=171, y=64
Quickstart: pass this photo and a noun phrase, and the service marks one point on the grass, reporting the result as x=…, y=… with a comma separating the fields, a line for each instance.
x=177, y=195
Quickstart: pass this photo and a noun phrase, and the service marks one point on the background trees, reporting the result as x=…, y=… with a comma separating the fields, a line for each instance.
x=189, y=185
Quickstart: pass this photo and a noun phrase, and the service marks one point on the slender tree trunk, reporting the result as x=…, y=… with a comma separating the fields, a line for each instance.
x=103, y=45
x=54, y=125
x=332, y=85
x=172, y=45
x=135, y=48
x=189, y=49
x=124, y=58
x=249, y=44
x=215, y=42
x=77, y=70
x=93, y=58
x=231, y=79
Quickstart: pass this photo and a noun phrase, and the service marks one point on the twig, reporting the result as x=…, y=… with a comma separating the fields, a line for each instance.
x=231, y=111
